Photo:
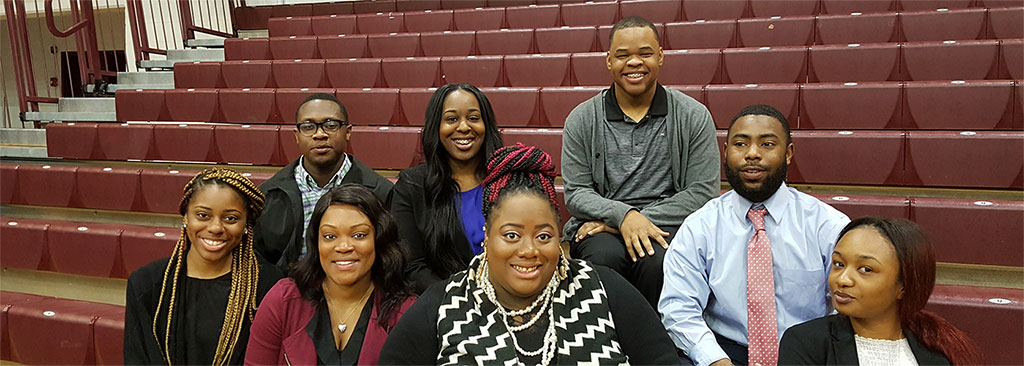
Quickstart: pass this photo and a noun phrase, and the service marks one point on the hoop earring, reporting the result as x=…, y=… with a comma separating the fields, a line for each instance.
x=563, y=270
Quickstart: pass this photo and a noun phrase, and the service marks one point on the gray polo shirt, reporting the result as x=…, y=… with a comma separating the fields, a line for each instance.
x=638, y=167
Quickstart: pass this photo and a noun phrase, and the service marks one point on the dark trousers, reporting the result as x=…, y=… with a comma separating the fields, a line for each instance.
x=609, y=250
x=737, y=352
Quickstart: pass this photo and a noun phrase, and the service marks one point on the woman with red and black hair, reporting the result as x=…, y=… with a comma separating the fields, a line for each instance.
x=883, y=272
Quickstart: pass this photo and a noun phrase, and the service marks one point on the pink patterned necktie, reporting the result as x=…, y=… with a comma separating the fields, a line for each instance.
x=762, y=324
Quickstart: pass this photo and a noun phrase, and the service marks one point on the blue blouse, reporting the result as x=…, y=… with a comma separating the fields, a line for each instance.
x=471, y=205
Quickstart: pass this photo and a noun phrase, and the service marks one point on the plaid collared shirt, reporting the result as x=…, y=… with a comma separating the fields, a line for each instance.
x=311, y=192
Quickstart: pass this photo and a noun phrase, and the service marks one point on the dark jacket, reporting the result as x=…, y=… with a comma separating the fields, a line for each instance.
x=829, y=341
x=279, y=230
x=409, y=206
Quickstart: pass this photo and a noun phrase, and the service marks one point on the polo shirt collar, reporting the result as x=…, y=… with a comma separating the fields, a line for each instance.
x=659, y=105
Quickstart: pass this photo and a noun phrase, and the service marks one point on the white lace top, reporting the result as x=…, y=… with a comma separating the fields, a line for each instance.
x=883, y=352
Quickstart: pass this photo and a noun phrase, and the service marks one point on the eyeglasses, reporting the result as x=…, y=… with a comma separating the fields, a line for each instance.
x=330, y=126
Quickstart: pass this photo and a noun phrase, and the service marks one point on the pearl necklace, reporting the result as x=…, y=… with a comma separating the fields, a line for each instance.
x=547, y=349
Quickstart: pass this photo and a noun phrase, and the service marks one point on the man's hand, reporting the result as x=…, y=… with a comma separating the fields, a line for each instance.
x=593, y=227
x=637, y=232
x=722, y=362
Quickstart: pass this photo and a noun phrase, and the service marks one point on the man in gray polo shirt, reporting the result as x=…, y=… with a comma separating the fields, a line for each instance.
x=636, y=160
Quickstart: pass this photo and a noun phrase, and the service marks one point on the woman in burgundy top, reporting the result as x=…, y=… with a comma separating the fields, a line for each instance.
x=341, y=299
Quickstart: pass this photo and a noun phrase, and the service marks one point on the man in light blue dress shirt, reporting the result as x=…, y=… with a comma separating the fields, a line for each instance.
x=704, y=298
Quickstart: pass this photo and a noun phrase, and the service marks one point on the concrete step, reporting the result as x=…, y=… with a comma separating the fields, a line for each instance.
x=184, y=55
x=206, y=43
x=91, y=105
x=253, y=33
x=78, y=109
x=22, y=151
x=145, y=77
x=23, y=136
x=111, y=88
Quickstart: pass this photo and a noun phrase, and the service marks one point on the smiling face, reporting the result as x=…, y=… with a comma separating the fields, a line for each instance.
x=215, y=223
x=865, y=276
x=757, y=156
x=634, y=60
x=346, y=245
x=322, y=149
x=462, y=126
x=522, y=247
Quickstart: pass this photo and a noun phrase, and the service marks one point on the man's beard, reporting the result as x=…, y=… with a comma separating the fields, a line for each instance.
x=768, y=187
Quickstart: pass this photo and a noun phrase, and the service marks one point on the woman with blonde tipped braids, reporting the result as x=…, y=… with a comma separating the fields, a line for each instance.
x=196, y=306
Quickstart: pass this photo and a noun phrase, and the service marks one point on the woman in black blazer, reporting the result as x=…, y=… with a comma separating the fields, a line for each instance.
x=882, y=274
x=438, y=203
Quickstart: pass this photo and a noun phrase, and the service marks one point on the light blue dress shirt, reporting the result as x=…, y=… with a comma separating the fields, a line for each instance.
x=705, y=269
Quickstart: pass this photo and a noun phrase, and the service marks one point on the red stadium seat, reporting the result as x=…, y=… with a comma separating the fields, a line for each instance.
x=343, y=46
x=771, y=8
x=786, y=31
x=54, y=331
x=247, y=105
x=859, y=206
x=332, y=25
x=57, y=192
x=394, y=44
x=766, y=64
x=657, y=11
x=1012, y=51
x=913, y=5
x=700, y=34
x=7, y=301
x=1006, y=23
x=247, y=49
x=940, y=159
x=252, y=17
x=504, y=42
x=353, y=73
x=845, y=7
x=108, y=336
x=376, y=106
x=691, y=67
x=514, y=106
x=140, y=104
x=854, y=62
x=481, y=71
x=447, y=43
x=106, y=188
x=694, y=91
x=197, y=75
x=507, y=3
x=245, y=144
x=479, y=19
x=289, y=26
x=547, y=139
x=977, y=311
x=950, y=60
x=24, y=244
x=289, y=100
x=385, y=147
x=566, y=39
x=931, y=25
x=379, y=23
x=587, y=14
x=532, y=16
x=294, y=10
x=713, y=9
x=336, y=8
x=300, y=73
x=724, y=101
x=538, y=69
x=557, y=102
x=413, y=102
x=294, y=48
x=286, y=137
x=463, y=4
x=974, y=219
x=604, y=31
x=72, y=140
x=411, y=71
x=591, y=68
x=125, y=141
x=192, y=105
x=247, y=74
x=960, y=105
x=861, y=28
x=8, y=182
x=373, y=6
x=141, y=245
x=428, y=21
x=184, y=142
x=870, y=105
x=161, y=190
x=848, y=157
x=415, y=5
x=88, y=249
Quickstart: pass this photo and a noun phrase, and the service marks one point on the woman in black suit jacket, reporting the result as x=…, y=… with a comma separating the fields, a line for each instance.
x=882, y=274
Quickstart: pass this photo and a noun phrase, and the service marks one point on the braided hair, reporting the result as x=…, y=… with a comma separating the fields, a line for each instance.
x=244, y=268
x=519, y=169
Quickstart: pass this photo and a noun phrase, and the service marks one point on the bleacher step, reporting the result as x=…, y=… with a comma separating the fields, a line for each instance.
x=111, y=88
x=7, y=151
x=184, y=55
x=145, y=77
x=78, y=109
x=206, y=43
x=23, y=136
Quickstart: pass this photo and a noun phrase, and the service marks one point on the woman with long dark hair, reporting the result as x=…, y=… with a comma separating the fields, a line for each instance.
x=343, y=297
x=883, y=272
x=437, y=203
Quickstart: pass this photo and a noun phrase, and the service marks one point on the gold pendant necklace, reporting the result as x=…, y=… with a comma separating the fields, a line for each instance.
x=342, y=327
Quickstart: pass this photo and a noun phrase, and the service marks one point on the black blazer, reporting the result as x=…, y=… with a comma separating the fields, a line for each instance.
x=409, y=206
x=829, y=341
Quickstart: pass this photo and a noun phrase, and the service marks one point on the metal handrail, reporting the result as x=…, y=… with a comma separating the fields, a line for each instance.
x=48, y=5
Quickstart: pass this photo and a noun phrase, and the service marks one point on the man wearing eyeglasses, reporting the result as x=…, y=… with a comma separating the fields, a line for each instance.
x=322, y=132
